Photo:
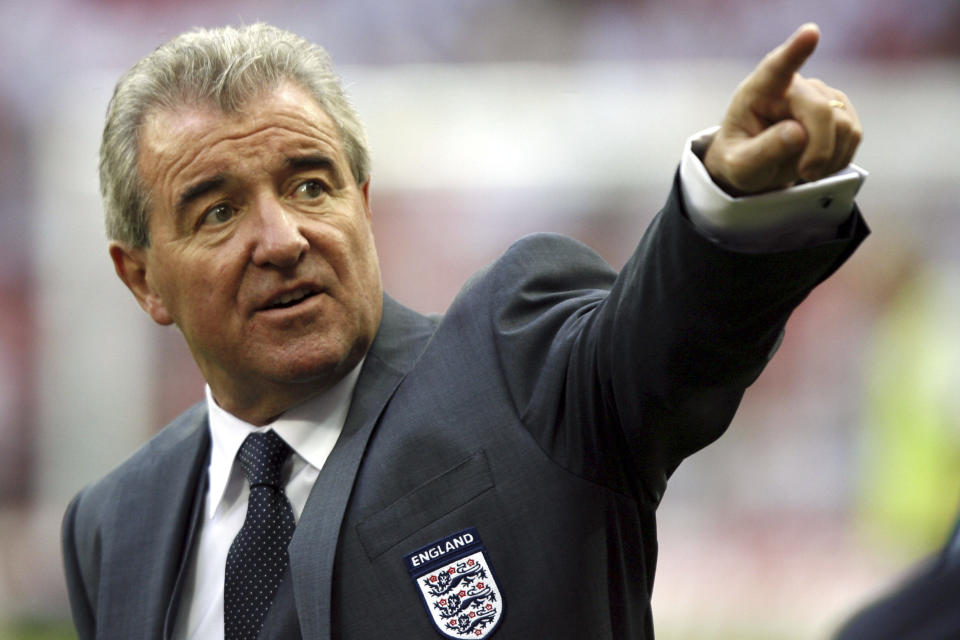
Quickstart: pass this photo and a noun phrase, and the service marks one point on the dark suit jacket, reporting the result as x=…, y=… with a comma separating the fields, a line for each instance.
x=544, y=412
x=923, y=606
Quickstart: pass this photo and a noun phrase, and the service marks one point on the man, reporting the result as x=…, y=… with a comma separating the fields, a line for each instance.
x=491, y=473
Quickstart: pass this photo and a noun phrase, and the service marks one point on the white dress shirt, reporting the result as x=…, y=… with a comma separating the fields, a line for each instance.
x=785, y=219
x=311, y=429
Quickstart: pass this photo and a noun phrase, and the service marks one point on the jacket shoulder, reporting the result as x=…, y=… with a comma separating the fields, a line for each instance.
x=90, y=523
x=540, y=263
x=550, y=252
x=149, y=458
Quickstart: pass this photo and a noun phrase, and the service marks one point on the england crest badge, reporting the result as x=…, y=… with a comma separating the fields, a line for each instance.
x=457, y=585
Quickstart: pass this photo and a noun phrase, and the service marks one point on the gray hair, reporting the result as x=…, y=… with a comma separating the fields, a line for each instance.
x=224, y=67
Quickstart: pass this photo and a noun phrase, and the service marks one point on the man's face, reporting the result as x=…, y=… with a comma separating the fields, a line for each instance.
x=261, y=248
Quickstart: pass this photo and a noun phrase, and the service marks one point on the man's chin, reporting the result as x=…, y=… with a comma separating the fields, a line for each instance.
x=319, y=371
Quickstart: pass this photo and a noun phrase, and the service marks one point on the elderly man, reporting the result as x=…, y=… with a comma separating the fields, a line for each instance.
x=359, y=470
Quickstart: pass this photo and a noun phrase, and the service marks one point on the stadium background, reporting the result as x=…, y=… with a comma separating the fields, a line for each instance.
x=489, y=119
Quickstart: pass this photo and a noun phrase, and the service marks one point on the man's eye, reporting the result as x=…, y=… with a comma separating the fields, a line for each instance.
x=218, y=214
x=310, y=189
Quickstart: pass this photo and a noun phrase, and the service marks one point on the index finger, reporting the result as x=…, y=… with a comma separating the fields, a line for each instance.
x=775, y=72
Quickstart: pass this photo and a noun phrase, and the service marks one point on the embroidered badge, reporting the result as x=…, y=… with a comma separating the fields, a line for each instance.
x=457, y=586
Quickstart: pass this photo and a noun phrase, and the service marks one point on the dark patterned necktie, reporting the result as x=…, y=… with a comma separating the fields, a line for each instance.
x=258, y=556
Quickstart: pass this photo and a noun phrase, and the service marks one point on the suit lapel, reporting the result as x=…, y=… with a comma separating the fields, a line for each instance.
x=281, y=620
x=149, y=533
x=193, y=530
x=399, y=342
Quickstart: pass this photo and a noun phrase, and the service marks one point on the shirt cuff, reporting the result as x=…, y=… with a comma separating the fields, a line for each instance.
x=798, y=216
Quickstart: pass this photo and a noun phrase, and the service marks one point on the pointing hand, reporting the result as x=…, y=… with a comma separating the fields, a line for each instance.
x=780, y=127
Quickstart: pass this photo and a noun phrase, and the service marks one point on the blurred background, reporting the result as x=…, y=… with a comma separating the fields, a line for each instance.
x=490, y=119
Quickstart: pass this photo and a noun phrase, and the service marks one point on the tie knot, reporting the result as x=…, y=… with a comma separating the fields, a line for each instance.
x=261, y=458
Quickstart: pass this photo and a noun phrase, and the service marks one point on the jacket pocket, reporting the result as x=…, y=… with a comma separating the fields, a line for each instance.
x=425, y=504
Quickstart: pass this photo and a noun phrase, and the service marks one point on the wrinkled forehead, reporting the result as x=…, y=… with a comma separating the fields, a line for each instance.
x=195, y=125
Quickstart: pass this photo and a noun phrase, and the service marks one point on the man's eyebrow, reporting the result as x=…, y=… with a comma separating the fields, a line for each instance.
x=198, y=190
x=314, y=161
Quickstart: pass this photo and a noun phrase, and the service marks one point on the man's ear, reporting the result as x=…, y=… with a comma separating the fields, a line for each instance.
x=365, y=193
x=131, y=266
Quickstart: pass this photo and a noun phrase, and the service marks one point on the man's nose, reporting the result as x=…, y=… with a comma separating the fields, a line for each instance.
x=279, y=240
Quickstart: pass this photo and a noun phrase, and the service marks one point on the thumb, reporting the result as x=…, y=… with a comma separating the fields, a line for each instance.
x=761, y=159
x=782, y=140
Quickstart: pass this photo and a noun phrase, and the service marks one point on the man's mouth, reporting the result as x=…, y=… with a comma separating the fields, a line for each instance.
x=290, y=298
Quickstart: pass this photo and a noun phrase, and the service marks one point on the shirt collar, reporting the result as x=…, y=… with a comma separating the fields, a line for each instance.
x=311, y=428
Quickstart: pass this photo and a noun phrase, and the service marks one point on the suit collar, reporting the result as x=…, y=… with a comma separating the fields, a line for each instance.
x=402, y=336
x=311, y=428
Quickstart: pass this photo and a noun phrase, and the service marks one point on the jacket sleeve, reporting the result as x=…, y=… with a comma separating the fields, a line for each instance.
x=80, y=603
x=619, y=377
